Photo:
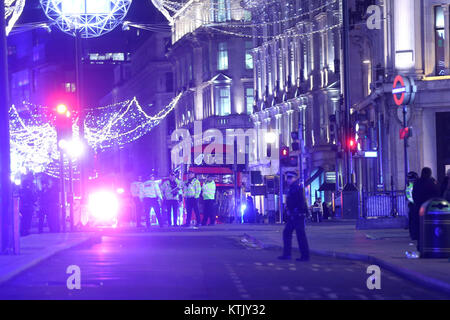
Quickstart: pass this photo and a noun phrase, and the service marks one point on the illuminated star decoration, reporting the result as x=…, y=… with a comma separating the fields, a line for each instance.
x=34, y=140
x=91, y=18
x=13, y=10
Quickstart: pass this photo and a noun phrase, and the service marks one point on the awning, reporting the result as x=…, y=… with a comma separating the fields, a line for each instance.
x=328, y=187
x=210, y=170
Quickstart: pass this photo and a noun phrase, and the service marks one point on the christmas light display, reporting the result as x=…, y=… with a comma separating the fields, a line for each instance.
x=91, y=18
x=34, y=140
x=13, y=10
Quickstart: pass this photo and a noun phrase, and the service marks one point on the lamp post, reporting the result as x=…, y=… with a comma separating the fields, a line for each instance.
x=6, y=214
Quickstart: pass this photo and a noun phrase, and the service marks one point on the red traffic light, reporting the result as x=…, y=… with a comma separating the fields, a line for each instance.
x=405, y=133
x=352, y=145
x=284, y=152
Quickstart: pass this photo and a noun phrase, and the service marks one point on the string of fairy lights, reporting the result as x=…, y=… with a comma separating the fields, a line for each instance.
x=34, y=139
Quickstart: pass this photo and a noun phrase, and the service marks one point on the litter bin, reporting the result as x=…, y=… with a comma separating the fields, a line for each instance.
x=435, y=229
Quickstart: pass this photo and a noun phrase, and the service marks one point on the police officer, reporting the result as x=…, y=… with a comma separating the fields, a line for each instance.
x=192, y=192
x=296, y=211
x=171, y=191
x=136, y=190
x=152, y=197
x=412, y=178
x=209, y=195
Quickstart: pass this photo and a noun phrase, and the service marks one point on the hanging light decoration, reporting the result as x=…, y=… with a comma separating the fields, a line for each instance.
x=34, y=139
x=91, y=18
x=13, y=11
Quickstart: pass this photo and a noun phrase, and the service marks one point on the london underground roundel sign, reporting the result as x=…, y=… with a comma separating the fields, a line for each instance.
x=403, y=90
x=399, y=90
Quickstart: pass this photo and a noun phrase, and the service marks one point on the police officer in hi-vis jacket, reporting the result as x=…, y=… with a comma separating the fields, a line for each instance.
x=152, y=197
x=209, y=195
x=192, y=191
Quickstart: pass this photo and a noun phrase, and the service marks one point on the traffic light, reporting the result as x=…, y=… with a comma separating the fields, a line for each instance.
x=352, y=145
x=63, y=123
x=284, y=156
x=295, y=141
x=405, y=133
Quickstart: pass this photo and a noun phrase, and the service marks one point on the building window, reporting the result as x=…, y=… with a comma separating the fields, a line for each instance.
x=222, y=62
x=221, y=10
x=223, y=101
x=439, y=28
x=249, y=99
x=248, y=55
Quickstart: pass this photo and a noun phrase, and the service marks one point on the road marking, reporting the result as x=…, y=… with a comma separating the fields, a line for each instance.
x=362, y=297
x=326, y=289
x=284, y=288
x=300, y=288
x=293, y=269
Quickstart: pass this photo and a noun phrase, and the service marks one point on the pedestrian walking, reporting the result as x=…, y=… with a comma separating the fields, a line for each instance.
x=136, y=190
x=209, y=196
x=424, y=189
x=296, y=211
x=412, y=178
x=152, y=200
x=192, y=192
x=172, y=191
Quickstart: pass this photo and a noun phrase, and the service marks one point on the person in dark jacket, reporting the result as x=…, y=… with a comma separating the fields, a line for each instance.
x=296, y=211
x=49, y=205
x=27, y=202
x=424, y=189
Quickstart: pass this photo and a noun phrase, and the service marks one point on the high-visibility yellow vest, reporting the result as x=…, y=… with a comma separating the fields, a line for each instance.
x=409, y=191
x=151, y=190
x=209, y=190
x=193, y=189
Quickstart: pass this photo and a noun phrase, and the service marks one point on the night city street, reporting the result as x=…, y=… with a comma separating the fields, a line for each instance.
x=202, y=264
x=242, y=152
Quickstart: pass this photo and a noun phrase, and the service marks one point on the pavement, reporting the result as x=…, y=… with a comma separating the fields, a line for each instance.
x=36, y=248
x=332, y=239
x=385, y=248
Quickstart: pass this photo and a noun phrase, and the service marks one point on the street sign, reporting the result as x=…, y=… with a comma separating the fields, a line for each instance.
x=399, y=89
x=403, y=90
